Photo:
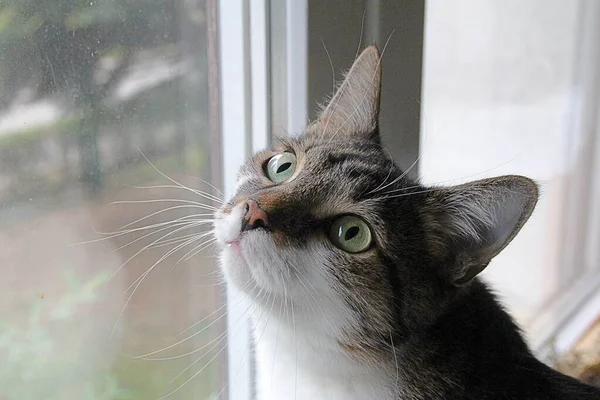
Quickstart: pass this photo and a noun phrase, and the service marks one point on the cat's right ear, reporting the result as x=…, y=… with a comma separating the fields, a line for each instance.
x=470, y=224
x=353, y=111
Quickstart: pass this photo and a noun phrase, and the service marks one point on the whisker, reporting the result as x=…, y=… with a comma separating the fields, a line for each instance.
x=195, y=374
x=330, y=63
x=218, y=339
x=381, y=184
x=186, y=206
x=203, y=319
x=207, y=196
x=140, y=279
x=144, y=356
x=198, y=360
x=207, y=183
x=362, y=27
x=268, y=318
x=143, y=249
x=311, y=293
x=398, y=178
x=198, y=249
x=295, y=350
x=174, y=240
x=199, y=193
x=113, y=235
x=186, y=224
x=395, y=361
x=257, y=340
x=276, y=340
x=157, y=201
x=166, y=255
x=451, y=181
x=190, y=218
x=122, y=230
x=199, y=237
x=195, y=251
x=220, y=283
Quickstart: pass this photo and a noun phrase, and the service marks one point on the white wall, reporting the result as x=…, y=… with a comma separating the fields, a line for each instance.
x=502, y=95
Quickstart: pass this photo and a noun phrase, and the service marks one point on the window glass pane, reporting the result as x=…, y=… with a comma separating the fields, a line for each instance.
x=88, y=90
x=512, y=88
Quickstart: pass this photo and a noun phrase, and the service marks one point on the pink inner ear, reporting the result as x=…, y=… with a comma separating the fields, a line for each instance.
x=477, y=220
x=491, y=217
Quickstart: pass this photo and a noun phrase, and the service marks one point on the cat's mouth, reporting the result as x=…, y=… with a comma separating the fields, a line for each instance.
x=242, y=240
x=234, y=245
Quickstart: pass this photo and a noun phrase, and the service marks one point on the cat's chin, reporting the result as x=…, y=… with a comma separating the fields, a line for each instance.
x=256, y=266
x=251, y=264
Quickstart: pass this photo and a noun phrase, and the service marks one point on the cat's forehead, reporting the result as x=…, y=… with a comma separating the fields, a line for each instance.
x=320, y=147
x=333, y=177
x=345, y=162
x=346, y=159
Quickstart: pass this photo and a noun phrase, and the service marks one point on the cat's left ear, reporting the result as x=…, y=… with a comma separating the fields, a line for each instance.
x=354, y=108
x=470, y=224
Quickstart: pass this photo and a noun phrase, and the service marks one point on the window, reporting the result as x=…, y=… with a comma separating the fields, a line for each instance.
x=512, y=88
x=99, y=99
x=121, y=122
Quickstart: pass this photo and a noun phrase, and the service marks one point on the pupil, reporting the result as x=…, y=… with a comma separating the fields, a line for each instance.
x=283, y=167
x=350, y=233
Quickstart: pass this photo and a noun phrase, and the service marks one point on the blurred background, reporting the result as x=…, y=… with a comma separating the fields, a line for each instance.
x=105, y=101
x=87, y=89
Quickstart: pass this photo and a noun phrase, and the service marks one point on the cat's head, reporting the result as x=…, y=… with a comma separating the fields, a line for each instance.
x=328, y=225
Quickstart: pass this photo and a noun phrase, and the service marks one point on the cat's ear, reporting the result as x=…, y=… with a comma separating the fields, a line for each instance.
x=470, y=224
x=354, y=108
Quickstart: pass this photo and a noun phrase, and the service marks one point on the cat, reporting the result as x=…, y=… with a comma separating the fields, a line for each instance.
x=363, y=283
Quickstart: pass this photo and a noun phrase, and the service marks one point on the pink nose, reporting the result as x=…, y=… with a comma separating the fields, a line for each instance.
x=255, y=217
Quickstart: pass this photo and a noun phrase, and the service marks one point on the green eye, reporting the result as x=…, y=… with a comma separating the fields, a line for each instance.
x=350, y=234
x=281, y=167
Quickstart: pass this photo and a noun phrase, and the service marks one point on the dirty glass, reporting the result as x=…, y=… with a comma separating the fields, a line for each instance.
x=109, y=151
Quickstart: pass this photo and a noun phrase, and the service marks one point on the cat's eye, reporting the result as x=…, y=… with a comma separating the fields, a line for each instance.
x=351, y=234
x=281, y=167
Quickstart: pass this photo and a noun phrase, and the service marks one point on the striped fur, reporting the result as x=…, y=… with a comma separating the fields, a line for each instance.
x=405, y=319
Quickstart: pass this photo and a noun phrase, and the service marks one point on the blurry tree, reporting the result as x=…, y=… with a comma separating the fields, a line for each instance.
x=55, y=46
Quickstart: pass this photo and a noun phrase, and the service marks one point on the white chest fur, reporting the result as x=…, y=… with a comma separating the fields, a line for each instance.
x=301, y=366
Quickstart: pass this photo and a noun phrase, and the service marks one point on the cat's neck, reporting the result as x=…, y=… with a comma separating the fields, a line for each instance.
x=473, y=350
x=304, y=362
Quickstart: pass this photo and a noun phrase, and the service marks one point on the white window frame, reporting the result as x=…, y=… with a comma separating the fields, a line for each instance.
x=236, y=139
x=289, y=66
x=562, y=323
x=245, y=29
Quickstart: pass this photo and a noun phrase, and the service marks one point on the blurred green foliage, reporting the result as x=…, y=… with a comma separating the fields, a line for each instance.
x=35, y=365
x=31, y=365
